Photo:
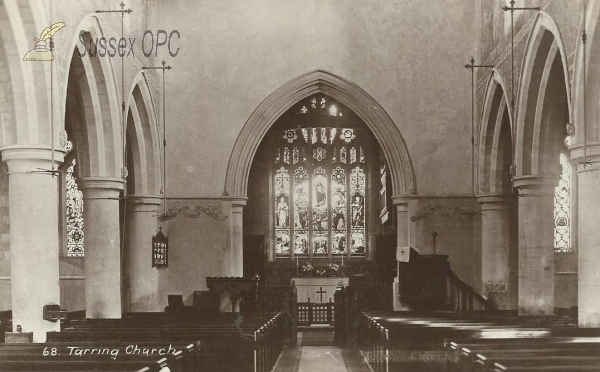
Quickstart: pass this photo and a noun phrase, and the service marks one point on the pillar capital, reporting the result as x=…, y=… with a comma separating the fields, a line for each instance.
x=100, y=187
x=494, y=201
x=592, y=149
x=402, y=200
x=540, y=185
x=592, y=155
x=236, y=203
x=144, y=203
x=27, y=159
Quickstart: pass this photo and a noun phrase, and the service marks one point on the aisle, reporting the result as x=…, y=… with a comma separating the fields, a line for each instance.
x=316, y=353
x=322, y=358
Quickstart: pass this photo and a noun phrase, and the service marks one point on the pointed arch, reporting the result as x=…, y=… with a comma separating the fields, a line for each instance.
x=495, y=139
x=592, y=28
x=351, y=95
x=98, y=122
x=24, y=87
x=143, y=135
x=543, y=108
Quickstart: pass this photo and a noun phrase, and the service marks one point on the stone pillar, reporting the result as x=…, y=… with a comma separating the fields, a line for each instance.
x=495, y=249
x=233, y=260
x=588, y=232
x=402, y=247
x=102, y=246
x=34, y=251
x=536, y=244
x=143, y=278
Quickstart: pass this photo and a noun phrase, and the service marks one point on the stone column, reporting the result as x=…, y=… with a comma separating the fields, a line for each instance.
x=402, y=246
x=233, y=259
x=536, y=244
x=102, y=246
x=495, y=249
x=34, y=251
x=588, y=232
x=143, y=278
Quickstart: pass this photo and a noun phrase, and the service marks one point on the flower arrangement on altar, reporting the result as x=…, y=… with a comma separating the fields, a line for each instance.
x=329, y=270
x=307, y=268
x=333, y=268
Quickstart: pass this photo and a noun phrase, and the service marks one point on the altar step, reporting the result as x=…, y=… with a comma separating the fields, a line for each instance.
x=321, y=336
x=316, y=327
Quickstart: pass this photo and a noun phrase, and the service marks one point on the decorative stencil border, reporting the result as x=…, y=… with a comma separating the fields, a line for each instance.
x=442, y=210
x=188, y=212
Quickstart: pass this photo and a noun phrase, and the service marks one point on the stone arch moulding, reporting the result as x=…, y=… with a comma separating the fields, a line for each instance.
x=592, y=25
x=495, y=101
x=320, y=81
x=105, y=151
x=26, y=88
x=92, y=23
x=145, y=129
x=537, y=46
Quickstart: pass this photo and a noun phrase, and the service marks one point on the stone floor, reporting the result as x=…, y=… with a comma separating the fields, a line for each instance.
x=316, y=352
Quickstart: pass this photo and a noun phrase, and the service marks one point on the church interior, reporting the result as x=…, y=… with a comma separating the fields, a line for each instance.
x=299, y=186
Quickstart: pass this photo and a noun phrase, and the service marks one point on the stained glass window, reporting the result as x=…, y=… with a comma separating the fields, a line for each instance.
x=320, y=201
x=75, y=235
x=282, y=211
x=562, y=209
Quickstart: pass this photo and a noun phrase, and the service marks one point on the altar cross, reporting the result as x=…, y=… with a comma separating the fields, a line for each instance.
x=320, y=292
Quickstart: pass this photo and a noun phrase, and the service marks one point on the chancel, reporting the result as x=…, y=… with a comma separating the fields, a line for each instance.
x=299, y=186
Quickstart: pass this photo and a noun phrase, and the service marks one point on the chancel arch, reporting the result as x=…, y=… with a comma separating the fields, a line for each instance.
x=320, y=81
x=315, y=183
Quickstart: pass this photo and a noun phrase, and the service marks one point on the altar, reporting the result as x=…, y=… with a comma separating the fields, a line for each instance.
x=318, y=290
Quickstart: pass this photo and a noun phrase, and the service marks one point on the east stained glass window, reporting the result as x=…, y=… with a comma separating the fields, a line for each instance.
x=562, y=208
x=320, y=191
x=74, y=201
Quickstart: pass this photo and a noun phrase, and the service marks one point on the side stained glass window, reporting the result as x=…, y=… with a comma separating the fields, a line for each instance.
x=75, y=234
x=562, y=209
x=320, y=200
x=282, y=211
x=357, y=195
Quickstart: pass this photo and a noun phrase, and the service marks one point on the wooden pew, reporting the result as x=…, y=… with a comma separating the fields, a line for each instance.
x=251, y=344
x=516, y=362
x=407, y=342
x=82, y=366
x=473, y=355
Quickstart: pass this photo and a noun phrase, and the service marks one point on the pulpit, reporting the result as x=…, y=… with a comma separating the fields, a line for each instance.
x=317, y=290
